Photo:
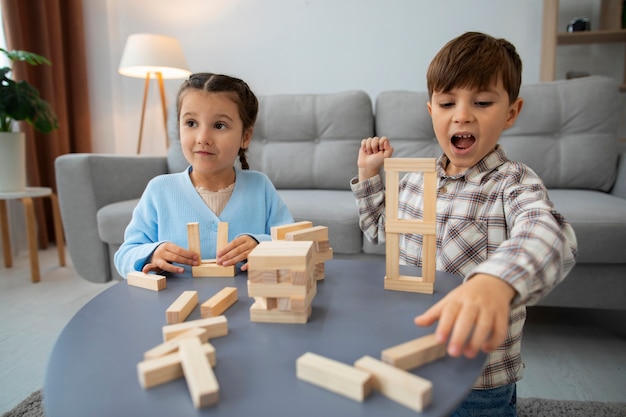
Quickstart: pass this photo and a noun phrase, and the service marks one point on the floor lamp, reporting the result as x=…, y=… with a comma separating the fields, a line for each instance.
x=153, y=56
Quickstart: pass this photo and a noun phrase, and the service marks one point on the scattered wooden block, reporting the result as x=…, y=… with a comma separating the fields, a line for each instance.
x=182, y=307
x=201, y=381
x=219, y=303
x=278, y=232
x=215, y=326
x=414, y=353
x=148, y=281
x=397, y=384
x=171, y=345
x=334, y=376
x=167, y=368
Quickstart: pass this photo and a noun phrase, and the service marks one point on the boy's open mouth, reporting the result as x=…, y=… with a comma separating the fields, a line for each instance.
x=462, y=142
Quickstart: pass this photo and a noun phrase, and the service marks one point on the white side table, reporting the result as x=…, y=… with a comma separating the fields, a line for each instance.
x=27, y=200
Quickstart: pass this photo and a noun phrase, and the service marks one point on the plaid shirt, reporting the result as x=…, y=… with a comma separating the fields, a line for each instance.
x=496, y=219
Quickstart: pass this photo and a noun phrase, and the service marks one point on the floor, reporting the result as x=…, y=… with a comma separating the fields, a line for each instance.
x=569, y=354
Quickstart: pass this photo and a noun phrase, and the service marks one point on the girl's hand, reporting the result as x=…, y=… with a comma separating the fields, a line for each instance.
x=474, y=316
x=372, y=156
x=237, y=250
x=168, y=253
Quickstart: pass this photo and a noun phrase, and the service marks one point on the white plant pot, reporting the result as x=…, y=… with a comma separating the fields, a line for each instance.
x=12, y=162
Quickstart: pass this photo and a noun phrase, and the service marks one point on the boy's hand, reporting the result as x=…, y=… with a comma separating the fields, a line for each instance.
x=167, y=253
x=237, y=250
x=474, y=316
x=372, y=156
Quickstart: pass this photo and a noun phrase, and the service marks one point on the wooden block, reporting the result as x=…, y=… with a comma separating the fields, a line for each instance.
x=397, y=384
x=280, y=290
x=171, y=345
x=222, y=235
x=278, y=232
x=409, y=284
x=311, y=233
x=296, y=304
x=178, y=311
x=201, y=381
x=219, y=303
x=268, y=277
x=334, y=376
x=414, y=353
x=193, y=237
x=261, y=315
x=167, y=368
x=280, y=254
x=148, y=281
x=212, y=270
x=215, y=326
x=263, y=303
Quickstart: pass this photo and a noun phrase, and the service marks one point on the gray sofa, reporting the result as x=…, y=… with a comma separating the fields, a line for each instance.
x=308, y=144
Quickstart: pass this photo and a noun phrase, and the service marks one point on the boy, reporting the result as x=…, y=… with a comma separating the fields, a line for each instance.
x=496, y=227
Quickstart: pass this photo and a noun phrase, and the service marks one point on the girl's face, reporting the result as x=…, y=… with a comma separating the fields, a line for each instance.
x=211, y=134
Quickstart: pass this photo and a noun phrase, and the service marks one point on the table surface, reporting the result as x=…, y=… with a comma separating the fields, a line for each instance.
x=92, y=370
x=28, y=192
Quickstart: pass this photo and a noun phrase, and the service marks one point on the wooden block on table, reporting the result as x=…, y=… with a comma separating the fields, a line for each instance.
x=193, y=237
x=167, y=368
x=261, y=315
x=278, y=232
x=148, y=281
x=219, y=303
x=280, y=254
x=334, y=376
x=397, y=384
x=212, y=270
x=314, y=233
x=171, y=345
x=280, y=290
x=215, y=326
x=178, y=311
x=414, y=353
x=409, y=284
x=201, y=381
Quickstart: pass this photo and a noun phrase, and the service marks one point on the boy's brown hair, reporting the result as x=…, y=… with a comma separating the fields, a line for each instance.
x=475, y=60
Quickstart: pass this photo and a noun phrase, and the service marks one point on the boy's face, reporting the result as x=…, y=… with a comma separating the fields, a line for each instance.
x=468, y=122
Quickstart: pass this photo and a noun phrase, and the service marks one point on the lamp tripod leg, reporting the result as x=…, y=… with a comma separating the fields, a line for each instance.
x=143, y=111
x=164, y=108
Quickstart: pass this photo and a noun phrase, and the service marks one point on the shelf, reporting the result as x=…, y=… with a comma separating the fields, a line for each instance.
x=592, y=36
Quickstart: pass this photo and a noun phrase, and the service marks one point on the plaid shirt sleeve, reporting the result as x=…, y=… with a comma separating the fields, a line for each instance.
x=370, y=200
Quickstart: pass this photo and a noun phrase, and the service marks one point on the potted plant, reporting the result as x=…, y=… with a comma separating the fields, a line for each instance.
x=19, y=101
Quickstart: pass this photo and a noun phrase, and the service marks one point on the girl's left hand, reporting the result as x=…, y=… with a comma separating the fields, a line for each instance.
x=236, y=251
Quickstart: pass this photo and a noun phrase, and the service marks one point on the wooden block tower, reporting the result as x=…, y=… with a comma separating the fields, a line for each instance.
x=281, y=281
x=208, y=267
x=303, y=231
x=426, y=227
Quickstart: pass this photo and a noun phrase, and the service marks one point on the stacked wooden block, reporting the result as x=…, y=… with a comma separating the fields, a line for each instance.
x=389, y=375
x=305, y=231
x=280, y=279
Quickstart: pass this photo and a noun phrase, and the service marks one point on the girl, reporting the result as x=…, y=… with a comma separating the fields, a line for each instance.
x=216, y=115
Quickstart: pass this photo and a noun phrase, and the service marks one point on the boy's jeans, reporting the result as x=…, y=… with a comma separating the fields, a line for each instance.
x=496, y=402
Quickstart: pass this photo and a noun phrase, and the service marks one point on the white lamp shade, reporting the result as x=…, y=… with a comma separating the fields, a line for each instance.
x=147, y=54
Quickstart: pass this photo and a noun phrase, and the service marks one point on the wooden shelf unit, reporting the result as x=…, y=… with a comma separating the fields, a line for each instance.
x=609, y=31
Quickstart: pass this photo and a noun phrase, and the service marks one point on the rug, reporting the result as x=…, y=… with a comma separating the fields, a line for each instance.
x=526, y=407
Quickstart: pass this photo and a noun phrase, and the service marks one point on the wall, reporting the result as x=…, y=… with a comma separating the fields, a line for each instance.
x=287, y=46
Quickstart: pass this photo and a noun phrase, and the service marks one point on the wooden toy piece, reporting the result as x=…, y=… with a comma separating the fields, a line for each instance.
x=414, y=353
x=222, y=236
x=280, y=290
x=215, y=326
x=167, y=368
x=260, y=314
x=278, y=232
x=201, y=381
x=314, y=233
x=171, y=345
x=182, y=307
x=206, y=270
x=193, y=237
x=148, y=281
x=334, y=376
x=280, y=254
x=219, y=303
x=426, y=227
x=321, y=248
x=397, y=384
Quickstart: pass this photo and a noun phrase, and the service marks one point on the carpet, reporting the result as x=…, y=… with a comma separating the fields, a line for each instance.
x=526, y=407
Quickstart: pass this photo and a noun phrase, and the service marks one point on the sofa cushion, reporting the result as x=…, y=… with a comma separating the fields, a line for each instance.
x=332, y=208
x=113, y=219
x=599, y=220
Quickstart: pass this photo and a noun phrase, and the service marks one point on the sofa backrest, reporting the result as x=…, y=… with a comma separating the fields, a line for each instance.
x=303, y=141
x=566, y=132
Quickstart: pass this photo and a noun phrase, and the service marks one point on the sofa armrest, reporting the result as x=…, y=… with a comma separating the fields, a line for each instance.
x=619, y=188
x=87, y=182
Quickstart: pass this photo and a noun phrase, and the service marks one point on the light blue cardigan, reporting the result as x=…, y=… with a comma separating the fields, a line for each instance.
x=171, y=201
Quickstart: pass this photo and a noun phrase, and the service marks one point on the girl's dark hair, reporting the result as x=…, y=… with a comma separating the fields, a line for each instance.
x=242, y=96
x=475, y=60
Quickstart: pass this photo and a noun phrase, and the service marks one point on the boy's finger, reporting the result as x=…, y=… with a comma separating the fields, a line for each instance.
x=461, y=328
